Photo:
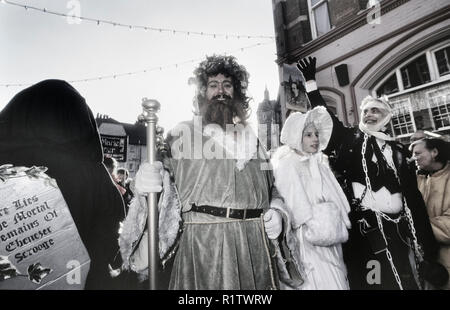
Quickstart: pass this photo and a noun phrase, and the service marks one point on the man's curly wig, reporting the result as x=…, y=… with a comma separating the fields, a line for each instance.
x=228, y=66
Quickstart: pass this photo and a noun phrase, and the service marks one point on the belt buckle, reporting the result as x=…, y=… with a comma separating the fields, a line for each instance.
x=245, y=214
x=228, y=212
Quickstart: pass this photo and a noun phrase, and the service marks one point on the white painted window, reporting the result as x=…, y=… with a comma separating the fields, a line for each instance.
x=425, y=68
x=415, y=73
x=390, y=86
x=319, y=17
x=439, y=104
x=418, y=88
x=442, y=57
x=402, y=118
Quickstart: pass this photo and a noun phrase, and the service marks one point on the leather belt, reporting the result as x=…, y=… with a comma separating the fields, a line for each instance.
x=240, y=214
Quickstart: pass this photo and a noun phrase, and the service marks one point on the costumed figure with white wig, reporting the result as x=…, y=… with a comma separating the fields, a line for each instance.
x=315, y=208
x=391, y=244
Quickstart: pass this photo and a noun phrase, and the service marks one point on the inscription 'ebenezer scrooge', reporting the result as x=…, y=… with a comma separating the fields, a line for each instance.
x=16, y=232
x=39, y=241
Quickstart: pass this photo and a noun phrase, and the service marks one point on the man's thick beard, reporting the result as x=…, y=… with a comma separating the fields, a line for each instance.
x=222, y=112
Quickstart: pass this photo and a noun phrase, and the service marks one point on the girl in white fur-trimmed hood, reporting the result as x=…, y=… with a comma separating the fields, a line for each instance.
x=315, y=209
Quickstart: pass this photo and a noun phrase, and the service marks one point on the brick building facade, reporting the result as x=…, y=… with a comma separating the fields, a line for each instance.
x=398, y=48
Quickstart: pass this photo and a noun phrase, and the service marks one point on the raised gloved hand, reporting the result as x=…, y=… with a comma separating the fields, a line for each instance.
x=149, y=178
x=307, y=67
x=272, y=223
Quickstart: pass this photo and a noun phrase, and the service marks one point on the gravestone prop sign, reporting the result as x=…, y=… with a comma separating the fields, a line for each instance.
x=40, y=247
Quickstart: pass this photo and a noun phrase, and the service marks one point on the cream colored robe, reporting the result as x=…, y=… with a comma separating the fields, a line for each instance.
x=435, y=190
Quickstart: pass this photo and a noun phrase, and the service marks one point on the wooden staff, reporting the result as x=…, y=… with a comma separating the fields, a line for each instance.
x=151, y=107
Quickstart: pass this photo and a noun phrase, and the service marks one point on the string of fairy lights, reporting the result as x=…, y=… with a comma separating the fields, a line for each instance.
x=147, y=70
x=146, y=28
x=155, y=68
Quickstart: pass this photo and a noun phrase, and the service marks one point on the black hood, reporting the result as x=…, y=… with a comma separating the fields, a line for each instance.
x=50, y=115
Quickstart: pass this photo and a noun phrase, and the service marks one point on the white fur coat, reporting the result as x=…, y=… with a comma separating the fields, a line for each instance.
x=317, y=202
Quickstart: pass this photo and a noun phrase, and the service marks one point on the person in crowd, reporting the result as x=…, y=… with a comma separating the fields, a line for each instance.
x=216, y=187
x=49, y=124
x=111, y=165
x=432, y=157
x=315, y=208
x=388, y=214
x=418, y=135
x=125, y=182
x=422, y=134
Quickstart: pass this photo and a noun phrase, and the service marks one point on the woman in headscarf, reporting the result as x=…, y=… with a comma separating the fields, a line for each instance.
x=315, y=208
x=49, y=124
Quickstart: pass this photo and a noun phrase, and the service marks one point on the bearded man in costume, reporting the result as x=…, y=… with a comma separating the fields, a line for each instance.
x=388, y=214
x=216, y=189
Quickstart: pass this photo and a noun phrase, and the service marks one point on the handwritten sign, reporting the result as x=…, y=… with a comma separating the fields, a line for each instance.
x=40, y=247
x=115, y=146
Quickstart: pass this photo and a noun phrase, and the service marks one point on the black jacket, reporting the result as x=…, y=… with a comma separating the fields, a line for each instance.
x=344, y=149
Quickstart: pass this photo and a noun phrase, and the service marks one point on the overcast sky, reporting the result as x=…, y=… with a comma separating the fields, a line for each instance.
x=35, y=46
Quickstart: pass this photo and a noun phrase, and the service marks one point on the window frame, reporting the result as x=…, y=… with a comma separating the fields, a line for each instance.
x=411, y=115
x=408, y=73
x=434, y=60
x=430, y=108
x=396, y=73
x=435, y=77
x=312, y=18
x=432, y=67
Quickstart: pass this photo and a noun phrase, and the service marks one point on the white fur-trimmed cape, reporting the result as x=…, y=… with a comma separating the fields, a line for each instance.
x=169, y=228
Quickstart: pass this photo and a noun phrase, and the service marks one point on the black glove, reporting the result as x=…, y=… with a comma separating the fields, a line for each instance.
x=307, y=67
x=433, y=272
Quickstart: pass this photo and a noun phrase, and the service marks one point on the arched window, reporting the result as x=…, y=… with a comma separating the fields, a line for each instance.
x=419, y=88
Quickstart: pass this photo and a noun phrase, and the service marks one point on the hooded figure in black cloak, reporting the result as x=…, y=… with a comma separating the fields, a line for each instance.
x=49, y=124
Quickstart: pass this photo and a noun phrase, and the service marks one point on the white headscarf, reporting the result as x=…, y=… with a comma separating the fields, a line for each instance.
x=383, y=105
